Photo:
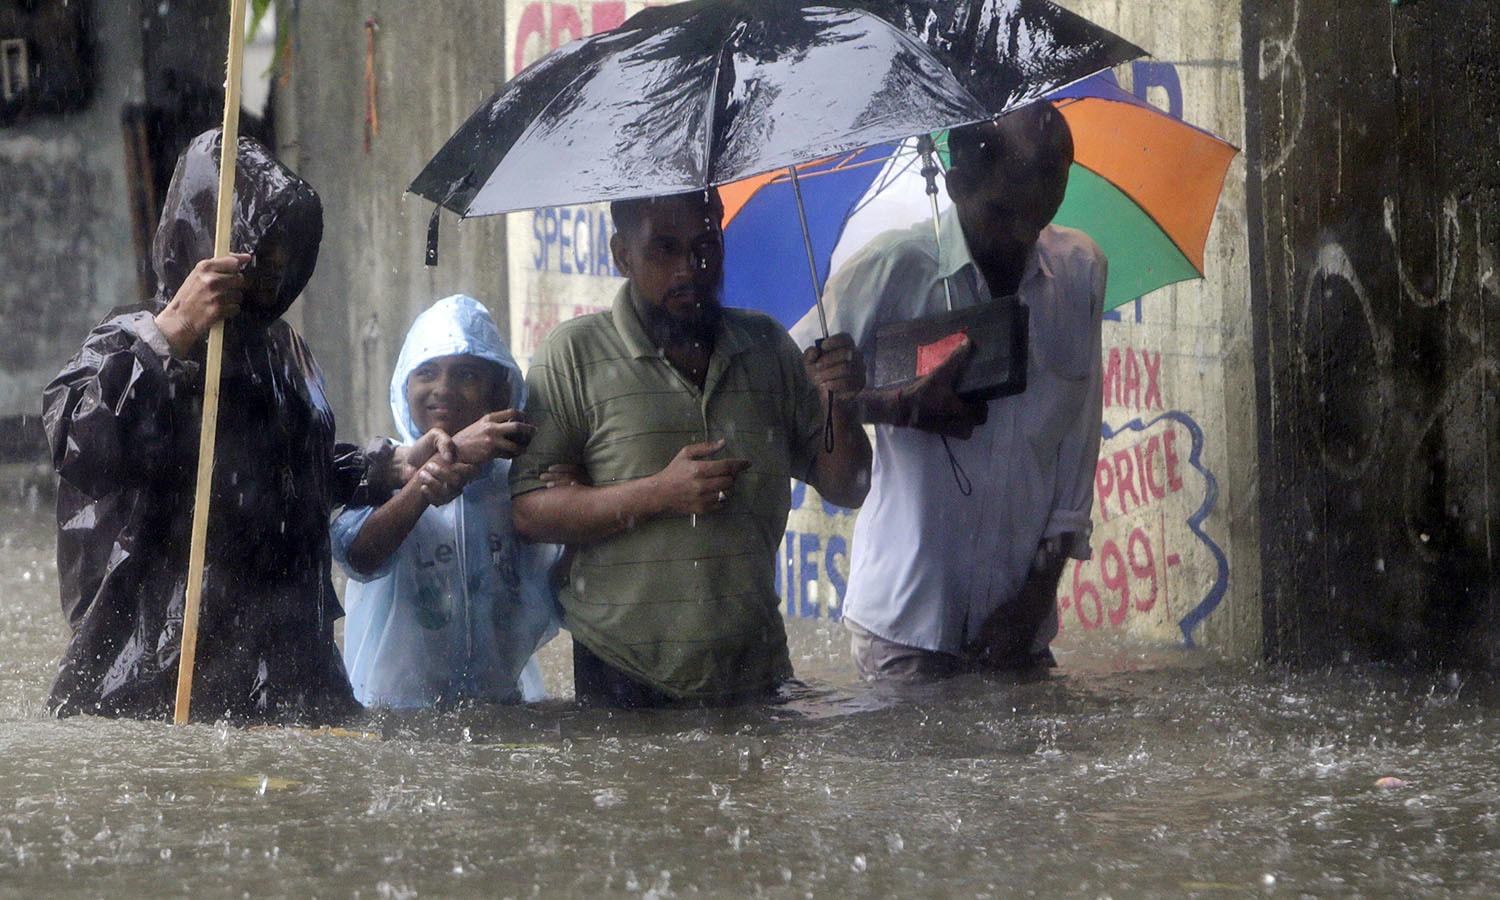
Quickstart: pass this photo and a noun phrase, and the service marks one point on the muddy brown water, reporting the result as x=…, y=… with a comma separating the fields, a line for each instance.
x=1128, y=772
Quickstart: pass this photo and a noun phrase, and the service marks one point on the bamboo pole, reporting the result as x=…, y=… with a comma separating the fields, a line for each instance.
x=228, y=154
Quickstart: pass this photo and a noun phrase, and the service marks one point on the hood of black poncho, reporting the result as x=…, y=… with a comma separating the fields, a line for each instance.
x=272, y=204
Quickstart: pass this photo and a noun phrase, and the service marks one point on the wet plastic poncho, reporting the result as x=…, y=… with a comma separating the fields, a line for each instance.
x=123, y=419
x=460, y=607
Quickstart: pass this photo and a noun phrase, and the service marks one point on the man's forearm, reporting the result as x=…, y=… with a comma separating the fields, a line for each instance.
x=581, y=514
x=888, y=406
x=923, y=405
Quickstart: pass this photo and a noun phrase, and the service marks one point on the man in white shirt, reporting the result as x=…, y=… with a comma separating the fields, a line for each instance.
x=974, y=508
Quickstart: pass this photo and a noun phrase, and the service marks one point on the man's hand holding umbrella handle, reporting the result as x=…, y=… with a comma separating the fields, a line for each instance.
x=835, y=365
x=211, y=293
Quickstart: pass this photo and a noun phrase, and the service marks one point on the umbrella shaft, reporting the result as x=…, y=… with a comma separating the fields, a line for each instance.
x=812, y=264
x=931, y=168
x=937, y=234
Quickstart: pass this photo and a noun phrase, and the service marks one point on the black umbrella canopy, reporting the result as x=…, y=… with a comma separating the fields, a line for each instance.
x=695, y=94
x=1006, y=52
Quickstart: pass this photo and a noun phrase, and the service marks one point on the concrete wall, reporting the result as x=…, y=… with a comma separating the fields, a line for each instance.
x=68, y=255
x=1375, y=189
x=1180, y=538
x=430, y=71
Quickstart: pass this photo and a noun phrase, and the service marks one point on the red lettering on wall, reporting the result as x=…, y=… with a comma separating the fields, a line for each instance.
x=1152, y=400
x=1138, y=475
x=1131, y=390
x=566, y=24
x=531, y=24
x=1125, y=479
x=1169, y=450
x=1143, y=454
x=1112, y=378
x=1104, y=488
x=1132, y=379
x=535, y=36
x=1123, y=577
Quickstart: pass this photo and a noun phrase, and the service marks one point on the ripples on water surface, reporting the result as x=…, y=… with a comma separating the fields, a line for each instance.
x=1126, y=773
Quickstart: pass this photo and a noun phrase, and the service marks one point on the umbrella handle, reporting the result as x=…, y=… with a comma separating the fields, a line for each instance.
x=930, y=167
x=228, y=155
x=828, y=414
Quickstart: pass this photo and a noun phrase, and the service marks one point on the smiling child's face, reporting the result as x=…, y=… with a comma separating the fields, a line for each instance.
x=452, y=392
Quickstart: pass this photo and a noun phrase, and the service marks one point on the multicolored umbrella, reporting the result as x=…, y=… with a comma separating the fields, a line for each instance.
x=769, y=232
x=1144, y=185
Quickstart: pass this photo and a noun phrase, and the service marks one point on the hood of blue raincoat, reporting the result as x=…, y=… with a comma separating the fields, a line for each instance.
x=272, y=205
x=451, y=326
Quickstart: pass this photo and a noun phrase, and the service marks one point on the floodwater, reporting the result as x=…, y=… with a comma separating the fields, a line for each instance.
x=1128, y=772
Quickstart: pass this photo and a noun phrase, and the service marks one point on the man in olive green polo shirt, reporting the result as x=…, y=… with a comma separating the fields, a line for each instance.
x=689, y=420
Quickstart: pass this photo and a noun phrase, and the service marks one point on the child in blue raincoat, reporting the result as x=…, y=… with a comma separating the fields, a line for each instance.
x=446, y=602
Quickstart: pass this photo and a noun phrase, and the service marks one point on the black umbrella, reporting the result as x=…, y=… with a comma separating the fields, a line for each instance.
x=1006, y=52
x=691, y=95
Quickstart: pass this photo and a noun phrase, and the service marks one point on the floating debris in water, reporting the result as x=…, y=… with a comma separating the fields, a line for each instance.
x=1390, y=782
x=260, y=784
x=329, y=730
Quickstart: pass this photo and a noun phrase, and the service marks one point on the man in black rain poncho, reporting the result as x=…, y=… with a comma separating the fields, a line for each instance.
x=123, y=420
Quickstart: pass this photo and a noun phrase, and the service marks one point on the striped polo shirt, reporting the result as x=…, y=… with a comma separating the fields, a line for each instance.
x=685, y=604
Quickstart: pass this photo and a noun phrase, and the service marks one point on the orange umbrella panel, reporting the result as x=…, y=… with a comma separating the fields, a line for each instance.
x=1169, y=168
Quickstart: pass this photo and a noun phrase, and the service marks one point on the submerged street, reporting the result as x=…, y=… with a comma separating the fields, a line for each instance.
x=1126, y=773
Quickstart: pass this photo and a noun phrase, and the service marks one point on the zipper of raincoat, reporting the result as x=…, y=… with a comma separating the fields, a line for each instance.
x=460, y=542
